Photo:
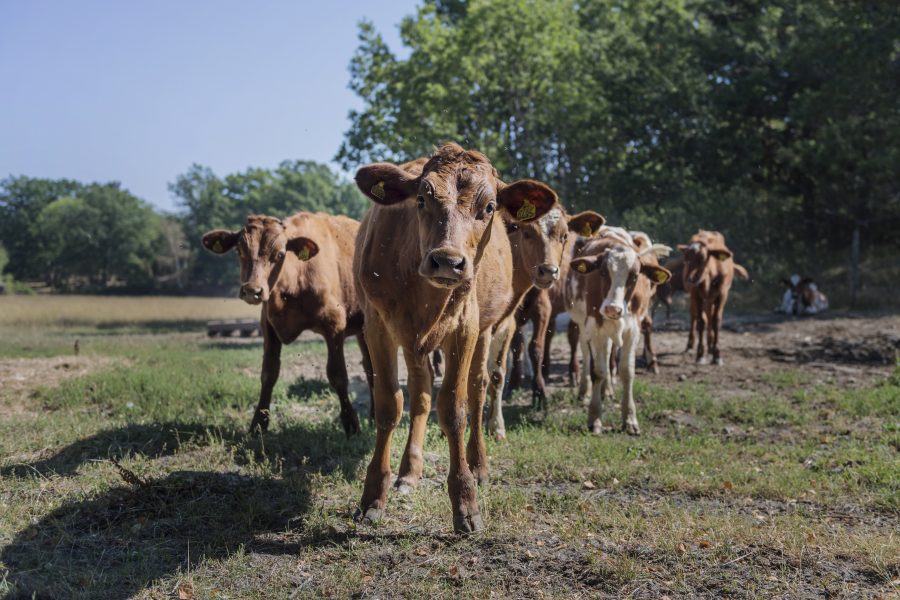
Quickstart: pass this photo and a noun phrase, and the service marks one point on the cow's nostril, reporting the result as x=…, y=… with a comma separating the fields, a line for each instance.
x=457, y=263
x=434, y=263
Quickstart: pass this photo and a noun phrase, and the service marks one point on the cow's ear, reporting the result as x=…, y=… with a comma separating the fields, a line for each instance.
x=585, y=264
x=682, y=247
x=385, y=183
x=526, y=199
x=586, y=223
x=219, y=241
x=303, y=247
x=657, y=275
x=721, y=254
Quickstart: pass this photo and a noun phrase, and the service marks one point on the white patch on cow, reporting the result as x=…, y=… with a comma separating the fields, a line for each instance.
x=695, y=246
x=548, y=221
x=619, y=260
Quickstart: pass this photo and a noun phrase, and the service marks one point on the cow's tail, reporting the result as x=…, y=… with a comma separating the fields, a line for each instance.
x=741, y=271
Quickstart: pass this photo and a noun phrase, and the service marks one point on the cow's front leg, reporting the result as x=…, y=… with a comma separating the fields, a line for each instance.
x=629, y=349
x=367, y=367
x=517, y=372
x=497, y=365
x=268, y=377
x=336, y=370
x=419, y=385
x=541, y=325
x=572, y=336
x=476, y=454
x=388, y=409
x=451, y=405
x=701, y=326
x=601, y=348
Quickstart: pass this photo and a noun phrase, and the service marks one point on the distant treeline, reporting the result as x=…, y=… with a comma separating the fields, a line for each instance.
x=96, y=237
x=775, y=122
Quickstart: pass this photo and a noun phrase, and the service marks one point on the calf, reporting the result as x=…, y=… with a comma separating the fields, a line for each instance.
x=539, y=249
x=608, y=291
x=707, y=273
x=665, y=293
x=301, y=284
x=644, y=296
x=433, y=267
x=541, y=307
x=802, y=297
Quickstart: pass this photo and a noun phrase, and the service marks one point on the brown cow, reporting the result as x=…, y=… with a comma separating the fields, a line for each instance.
x=299, y=292
x=542, y=307
x=540, y=261
x=665, y=293
x=708, y=271
x=433, y=267
x=608, y=293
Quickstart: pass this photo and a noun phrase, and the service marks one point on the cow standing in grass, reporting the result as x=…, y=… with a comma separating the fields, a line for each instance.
x=539, y=251
x=608, y=293
x=433, y=267
x=708, y=272
x=300, y=271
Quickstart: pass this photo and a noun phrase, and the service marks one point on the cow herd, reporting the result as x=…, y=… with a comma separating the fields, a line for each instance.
x=451, y=261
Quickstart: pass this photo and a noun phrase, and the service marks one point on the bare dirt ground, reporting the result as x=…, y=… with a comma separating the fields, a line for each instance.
x=837, y=349
x=18, y=376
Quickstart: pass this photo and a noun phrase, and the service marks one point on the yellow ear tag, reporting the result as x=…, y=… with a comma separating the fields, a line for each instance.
x=378, y=190
x=217, y=246
x=527, y=211
x=661, y=277
x=303, y=254
x=581, y=267
x=587, y=231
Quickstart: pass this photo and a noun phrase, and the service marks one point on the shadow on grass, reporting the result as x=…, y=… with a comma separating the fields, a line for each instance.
x=116, y=543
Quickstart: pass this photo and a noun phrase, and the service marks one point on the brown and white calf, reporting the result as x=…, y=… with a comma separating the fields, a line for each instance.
x=433, y=266
x=300, y=271
x=539, y=250
x=644, y=296
x=608, y=294
x=708, y=272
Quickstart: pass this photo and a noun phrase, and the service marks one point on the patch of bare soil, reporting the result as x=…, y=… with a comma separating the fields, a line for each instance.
x=840, y=350
x=21, y=376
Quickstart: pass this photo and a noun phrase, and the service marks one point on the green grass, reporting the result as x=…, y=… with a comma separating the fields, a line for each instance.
x=771, y=493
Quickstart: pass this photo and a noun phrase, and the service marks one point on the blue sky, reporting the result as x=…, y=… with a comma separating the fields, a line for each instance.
x=137, y=91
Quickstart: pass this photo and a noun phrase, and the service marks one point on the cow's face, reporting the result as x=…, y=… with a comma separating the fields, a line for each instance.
x=619, y=268
x=696, y=257
x=539, y=246
x=262, y=246
x=456, y=198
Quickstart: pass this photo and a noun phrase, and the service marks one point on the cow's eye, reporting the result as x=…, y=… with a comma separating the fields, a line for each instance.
x=420, y=201
x=490, y=208
x=280, y=255
x=565, y=238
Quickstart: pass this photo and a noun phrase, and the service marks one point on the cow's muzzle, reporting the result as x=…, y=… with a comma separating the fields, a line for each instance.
x=546, y=275
x=253, y=293
x=445, y=268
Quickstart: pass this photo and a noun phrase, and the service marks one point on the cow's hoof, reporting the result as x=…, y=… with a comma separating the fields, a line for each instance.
x=370, y=517
x=701, y=360
x=631, y=428
x=350, y=421
x=654, y=368
x=596, y=427
x=719, y=362
x=466, y=524
x=481, y=474
x=404, y=486
x=500, y=435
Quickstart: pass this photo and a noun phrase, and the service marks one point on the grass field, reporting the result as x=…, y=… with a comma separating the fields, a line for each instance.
x=126, y=471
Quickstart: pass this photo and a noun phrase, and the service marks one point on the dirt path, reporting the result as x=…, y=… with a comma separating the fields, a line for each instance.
x=842, y=350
